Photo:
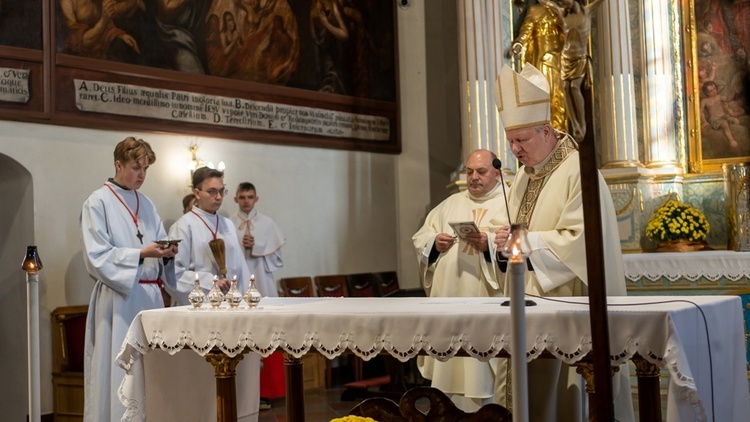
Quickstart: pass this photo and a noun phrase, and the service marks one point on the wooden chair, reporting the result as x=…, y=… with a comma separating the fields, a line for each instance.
x=68, y=338
x=362, y=285
x=297, y=287
x=440, y=408
x=386, y=283
x=331, y=285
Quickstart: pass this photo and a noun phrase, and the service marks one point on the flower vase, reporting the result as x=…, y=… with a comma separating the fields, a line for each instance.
x=196, y=296
x=234, y=296
x=253, y=296
x=682, y=245
x=215, y=296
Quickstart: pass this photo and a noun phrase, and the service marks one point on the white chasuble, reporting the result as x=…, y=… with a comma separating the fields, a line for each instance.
x=462, y=271
x=549, y=200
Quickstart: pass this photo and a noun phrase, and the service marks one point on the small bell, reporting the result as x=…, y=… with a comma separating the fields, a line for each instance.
x=196, y=296
x=215, y=296
x=234, y=296
x=253, y=296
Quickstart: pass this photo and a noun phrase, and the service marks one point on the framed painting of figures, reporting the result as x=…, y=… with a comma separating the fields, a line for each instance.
x=21, y=24
x=300, y=72
x=717, y=40
x=22, y=57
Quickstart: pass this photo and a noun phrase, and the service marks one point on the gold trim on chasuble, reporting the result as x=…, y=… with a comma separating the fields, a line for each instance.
x=538, y=179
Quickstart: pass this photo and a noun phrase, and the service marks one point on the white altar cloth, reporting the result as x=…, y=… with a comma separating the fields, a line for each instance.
x=713, y=265
x=669, y=332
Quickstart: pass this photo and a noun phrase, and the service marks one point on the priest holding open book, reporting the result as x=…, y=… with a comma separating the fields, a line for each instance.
x=455, y=260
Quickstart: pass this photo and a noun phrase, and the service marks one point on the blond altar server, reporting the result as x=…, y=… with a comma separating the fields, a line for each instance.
x=118, y=228
x=546, y=195
x=197, y=228
x=261, y=238
x=452, y=266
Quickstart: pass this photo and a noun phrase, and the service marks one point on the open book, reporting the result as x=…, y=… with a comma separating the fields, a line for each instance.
x=462, y=228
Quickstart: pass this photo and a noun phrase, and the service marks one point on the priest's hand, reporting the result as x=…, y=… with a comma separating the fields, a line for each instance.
x=478, y=241
x=501, y=236
x=443, y=242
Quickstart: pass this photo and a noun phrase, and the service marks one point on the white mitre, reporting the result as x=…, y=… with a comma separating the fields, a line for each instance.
x=523, y=99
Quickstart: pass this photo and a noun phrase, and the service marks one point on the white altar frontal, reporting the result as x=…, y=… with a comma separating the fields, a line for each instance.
x=717, y=272
x=697, y=339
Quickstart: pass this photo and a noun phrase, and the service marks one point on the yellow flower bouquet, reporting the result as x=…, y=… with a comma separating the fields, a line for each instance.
x=676, y=222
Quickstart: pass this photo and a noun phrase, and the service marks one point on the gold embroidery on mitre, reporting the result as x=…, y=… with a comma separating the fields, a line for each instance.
x=522, y=99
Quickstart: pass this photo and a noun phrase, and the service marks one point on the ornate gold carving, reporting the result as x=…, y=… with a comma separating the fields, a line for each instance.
x=587, y=372
x=586, y=369
x=224, y=366
x=291, y=360
x=644, y=368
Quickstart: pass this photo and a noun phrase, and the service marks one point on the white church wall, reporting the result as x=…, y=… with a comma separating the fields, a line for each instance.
x=341, y=211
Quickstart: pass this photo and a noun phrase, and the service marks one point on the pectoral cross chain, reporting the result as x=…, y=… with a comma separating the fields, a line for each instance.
x=133, y=216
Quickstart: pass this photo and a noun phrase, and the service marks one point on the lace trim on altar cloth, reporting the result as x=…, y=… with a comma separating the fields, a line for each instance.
x=692, y=266
x=685, y=385
x=132, y=410
x=710, y=274
x=544, y=342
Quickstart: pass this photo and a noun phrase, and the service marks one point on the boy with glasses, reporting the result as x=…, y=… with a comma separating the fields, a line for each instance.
x=197, y=227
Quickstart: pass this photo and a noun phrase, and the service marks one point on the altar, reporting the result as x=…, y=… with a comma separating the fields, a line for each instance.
x=718, y=272
x=698, y=340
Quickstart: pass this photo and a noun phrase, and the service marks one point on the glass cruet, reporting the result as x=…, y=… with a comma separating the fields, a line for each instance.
x=234, y=296
x=215, y=296
x=253, y=296
x=196, y=296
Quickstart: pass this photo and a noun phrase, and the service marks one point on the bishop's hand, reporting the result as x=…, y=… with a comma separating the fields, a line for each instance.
x=501, y=236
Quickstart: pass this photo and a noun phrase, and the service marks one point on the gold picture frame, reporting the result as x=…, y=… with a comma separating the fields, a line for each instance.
x=717, y=66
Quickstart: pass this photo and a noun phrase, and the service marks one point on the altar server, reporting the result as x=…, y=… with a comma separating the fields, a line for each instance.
x=200, y=230
x=197, y=229
x=119, y=227
x=262, y=239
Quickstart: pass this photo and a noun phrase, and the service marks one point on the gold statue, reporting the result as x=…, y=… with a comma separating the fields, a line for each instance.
x=540, y=42
x=576, y=62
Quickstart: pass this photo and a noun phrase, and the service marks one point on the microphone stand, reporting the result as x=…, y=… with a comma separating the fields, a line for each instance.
x=496, y=163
